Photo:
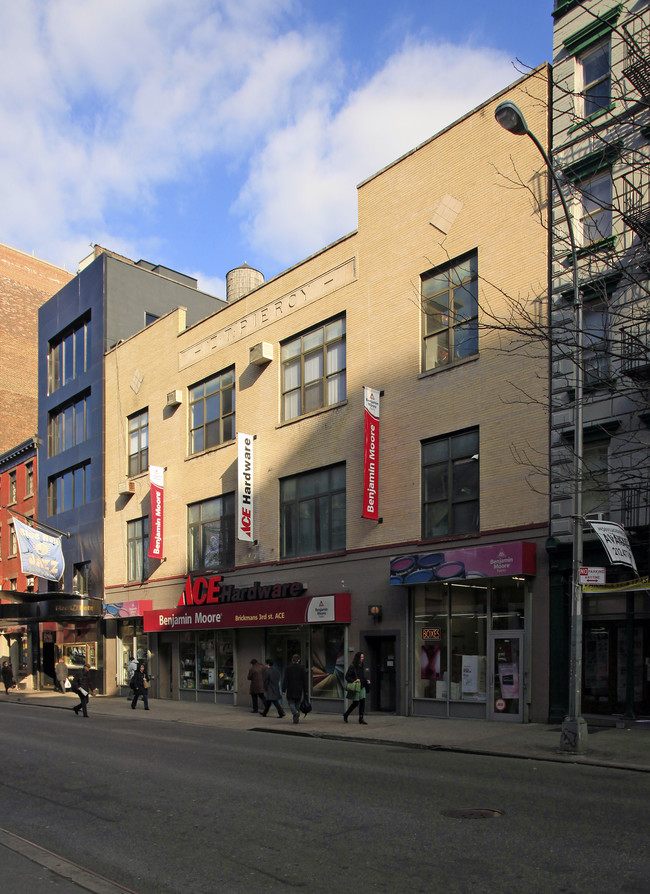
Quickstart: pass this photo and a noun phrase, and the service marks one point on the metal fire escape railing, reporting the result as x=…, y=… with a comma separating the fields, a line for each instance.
x=635, y=349
x=637, y=55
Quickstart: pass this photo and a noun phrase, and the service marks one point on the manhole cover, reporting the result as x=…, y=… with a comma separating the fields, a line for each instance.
x=473, y=813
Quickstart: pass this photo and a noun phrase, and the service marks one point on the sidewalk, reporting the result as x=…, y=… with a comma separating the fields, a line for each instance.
x=627, y=749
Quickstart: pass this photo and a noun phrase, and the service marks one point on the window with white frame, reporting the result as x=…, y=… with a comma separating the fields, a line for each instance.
x=13, y=540
x=137, y=547
x=314, y=370
x=13, y=490
x=29, y=478
x=138, y=442
x=594, y=79
x=595, y=208
x=211, y=533
x=596, y=348
x=450, y=307
x=595, y=486
x=212, y=411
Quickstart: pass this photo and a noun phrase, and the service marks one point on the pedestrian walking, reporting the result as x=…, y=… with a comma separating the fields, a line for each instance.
x=8, y=676
x=256, y=689
x=295, y=686
x=272, y=692
x=357, y=682
x=81, y=686
x=60, y=675
x=140, y=687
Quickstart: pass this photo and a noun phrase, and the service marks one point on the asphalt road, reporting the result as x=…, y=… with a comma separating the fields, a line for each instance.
x=168, y=807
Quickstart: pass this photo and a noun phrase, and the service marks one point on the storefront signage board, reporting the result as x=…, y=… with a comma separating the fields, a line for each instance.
x=156, y=485
x=500, y=560
x=267, y=613
x=245, y=490
x=133, y=609
x=371, y=454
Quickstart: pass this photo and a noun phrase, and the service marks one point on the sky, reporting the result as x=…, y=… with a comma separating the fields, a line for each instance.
x=203, y=134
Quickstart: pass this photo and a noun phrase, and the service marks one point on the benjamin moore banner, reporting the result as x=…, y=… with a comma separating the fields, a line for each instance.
x=156, y=481
x=371, y=454
x=614, y=539
x=245, y=489
x=40, y=554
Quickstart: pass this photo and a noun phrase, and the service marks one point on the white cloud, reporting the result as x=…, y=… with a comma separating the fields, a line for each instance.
x=300, y=194
x=104, y=105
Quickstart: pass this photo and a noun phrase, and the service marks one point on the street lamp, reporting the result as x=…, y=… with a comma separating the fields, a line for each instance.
x=574, y=727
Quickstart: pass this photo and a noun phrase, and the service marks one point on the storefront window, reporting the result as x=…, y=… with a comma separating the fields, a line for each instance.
x=508, y=605
x=188, y=660
x=207, y=661
x=431, y=674
x=468, y=642
x=134, y=647
x=328, y=660
x=451, y=642
x=225, y=666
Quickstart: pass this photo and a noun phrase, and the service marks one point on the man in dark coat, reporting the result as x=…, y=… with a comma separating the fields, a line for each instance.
x=81, y=686
x=256, y=689
x=272, y=688
x=295, y=686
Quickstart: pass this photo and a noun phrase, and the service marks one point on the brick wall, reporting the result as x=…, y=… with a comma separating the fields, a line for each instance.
x=25, y=284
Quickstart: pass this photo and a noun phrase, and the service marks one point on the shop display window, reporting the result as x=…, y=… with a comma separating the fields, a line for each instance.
x=328, y=660
x=431, y=675
x=188, y=661
x=225, y=667
x=207, y=661
x=507, y=605
x=134, y=646
x=451, y=642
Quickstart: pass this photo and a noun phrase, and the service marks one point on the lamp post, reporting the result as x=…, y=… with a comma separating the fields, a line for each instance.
x=574, y=727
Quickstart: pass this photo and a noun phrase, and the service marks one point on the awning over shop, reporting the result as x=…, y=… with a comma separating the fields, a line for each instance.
x=47, y=607
x=498, y=560
x=133, y=609
x=262, y=613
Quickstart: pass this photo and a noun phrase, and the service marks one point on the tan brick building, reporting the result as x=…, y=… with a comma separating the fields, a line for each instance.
x=25, y=283
x=412, y=305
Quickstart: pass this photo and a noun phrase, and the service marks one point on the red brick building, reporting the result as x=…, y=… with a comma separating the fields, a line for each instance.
x=25, y=284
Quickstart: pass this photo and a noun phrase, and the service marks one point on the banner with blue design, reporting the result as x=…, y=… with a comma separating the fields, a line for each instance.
x=40, y=554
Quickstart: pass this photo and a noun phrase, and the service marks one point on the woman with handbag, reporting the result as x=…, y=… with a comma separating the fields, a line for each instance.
x=140, y=687
x=356, y=680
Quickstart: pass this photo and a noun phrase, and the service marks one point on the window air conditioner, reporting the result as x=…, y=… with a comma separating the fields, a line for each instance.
x=126, y=487
x=261, y=353
x=174, y=398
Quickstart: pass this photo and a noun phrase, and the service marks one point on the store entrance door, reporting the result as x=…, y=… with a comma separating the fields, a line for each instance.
x=281, y=646
x=383, y=673
x=506, y=676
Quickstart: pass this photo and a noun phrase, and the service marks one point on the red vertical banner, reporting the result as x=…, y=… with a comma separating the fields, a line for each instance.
x=371, y=454
x=156, y=482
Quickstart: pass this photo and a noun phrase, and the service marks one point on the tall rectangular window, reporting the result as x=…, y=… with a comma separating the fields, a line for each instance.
x=312, y=512
x=596, y=348
x=212, y=411
x=211, y=533
x=13, y=489
x=594, y=79
x=68, y=355
x=450, y=485
x=595, y=208
x=450, y=310
x=81, y=578
x=595, y=486
x=29, y=478
x=13, y=541
x=67, y=426
x=137, y=547
x=138, y=442
x=314, y=370
x=69, y=490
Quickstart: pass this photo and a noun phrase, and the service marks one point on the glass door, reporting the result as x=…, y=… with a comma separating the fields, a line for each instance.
x=506, y=677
